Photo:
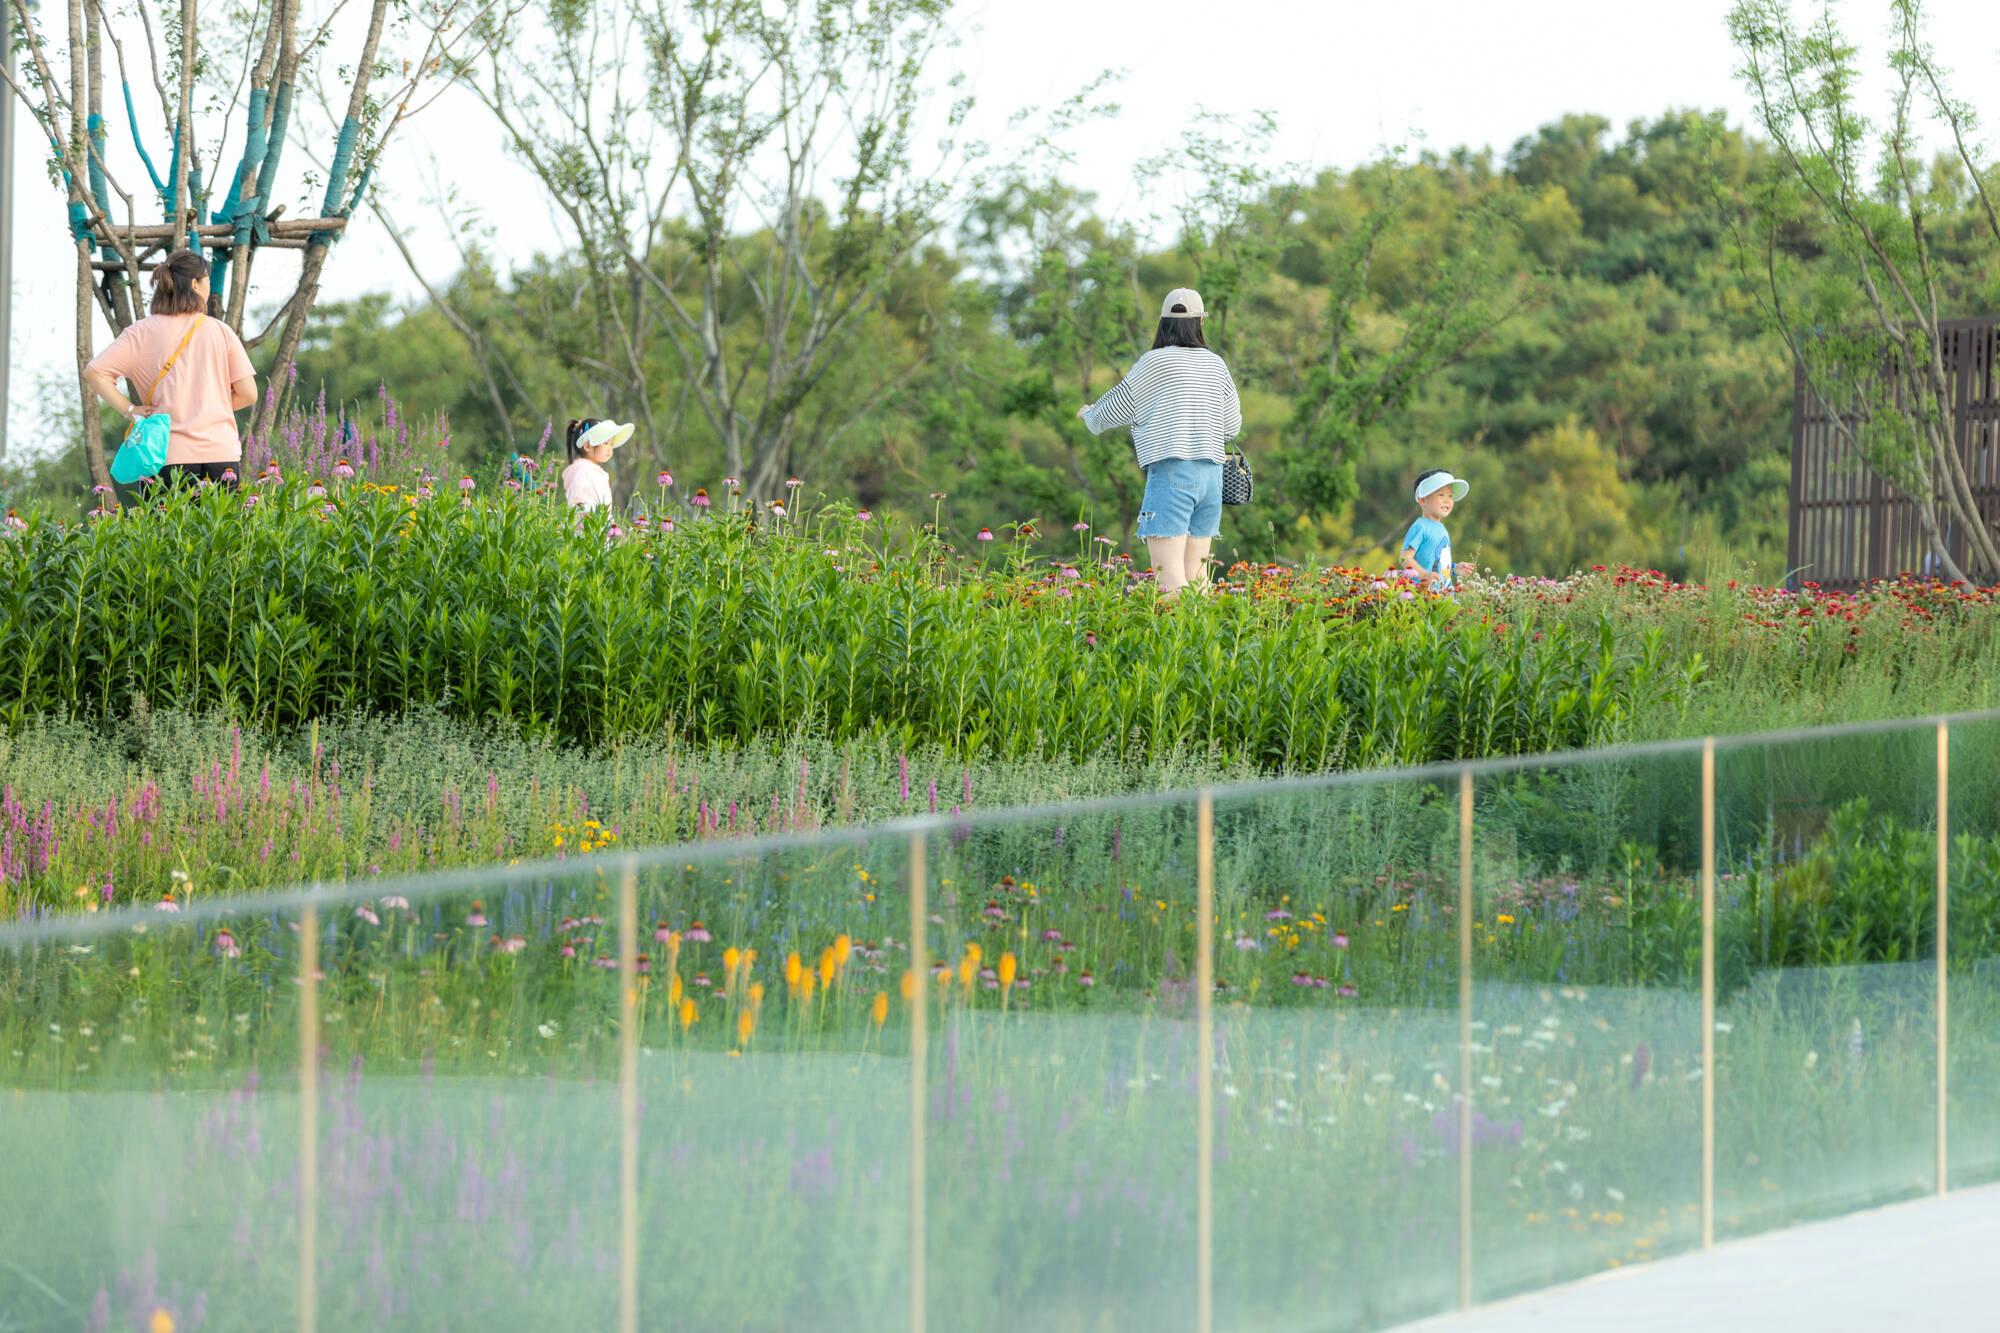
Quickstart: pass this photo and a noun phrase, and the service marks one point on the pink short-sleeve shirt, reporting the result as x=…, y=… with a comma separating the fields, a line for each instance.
x=195, y=392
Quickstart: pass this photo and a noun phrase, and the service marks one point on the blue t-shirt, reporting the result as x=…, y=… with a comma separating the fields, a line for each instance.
x=1432, y=547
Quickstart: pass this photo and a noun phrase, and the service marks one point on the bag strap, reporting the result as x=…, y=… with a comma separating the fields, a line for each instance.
x=185, y=337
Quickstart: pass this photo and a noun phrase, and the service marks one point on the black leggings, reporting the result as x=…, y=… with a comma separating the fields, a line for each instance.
x=188, y=474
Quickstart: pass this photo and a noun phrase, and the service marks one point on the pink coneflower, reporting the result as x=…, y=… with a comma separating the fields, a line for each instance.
x=1059, y=968
x=1245, y=944
x=665, y=479
x=465, y=483
x=863, y=515
x=1085, y=979
x=793, y=483
x=1339, y=939
x=777, y=509
x=316, y=491
x=250, y=500
x=510, y=485
x=732, y=483
x=1277, y=914
x=985, y=535
x=615, y=532
x=343, y=469
x=97, y=513
x=701, y=980
x=100, y=490
x=989, y=979
x=225, y=944
x=1069, y=573
x=529, y=464
x=229, y=474
x=568, y=949
x=662, y=932
x=1079, y=526
x=604, y=960
x=367, y=913
x=1104, y=541
x=700, y=500
x=593, y=920
x=167, y=904
x=1321, y=983
x=698, y=934
x=512, y=944
x=1302, y=979
x=1020, y=983
x=477, y=917
x=645, y=965
x=1345, y=990
x=327, y=511
x=424, y=492
x=395, y=900
x=570, y=923
x=1052, y=935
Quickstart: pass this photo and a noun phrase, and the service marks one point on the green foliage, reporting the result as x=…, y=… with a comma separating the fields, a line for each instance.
x=506, y=611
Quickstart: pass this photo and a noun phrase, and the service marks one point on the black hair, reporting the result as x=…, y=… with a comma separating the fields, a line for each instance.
x=1421, y=476
x=574, y=433
x=1179, y=331
x=173, y=283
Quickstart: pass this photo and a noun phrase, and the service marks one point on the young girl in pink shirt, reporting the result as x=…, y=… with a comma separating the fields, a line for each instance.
x=207, y=384
x=589, y=443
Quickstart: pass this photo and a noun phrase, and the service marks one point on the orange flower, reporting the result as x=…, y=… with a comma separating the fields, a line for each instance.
x=909, y=986
x=879, y=1011
x=806, y=987
x=968, y=968
x=828, y=965
x=746, y=1023
x=689, y=1014
x=731, y=960
x=1008, y=967
x=842, y=946
x=793, y=969
x=756, y=994
x=674, y=990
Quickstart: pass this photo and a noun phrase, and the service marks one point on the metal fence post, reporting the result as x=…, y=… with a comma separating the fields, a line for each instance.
x=1943, y=941
x=628, y=1100
x=1707, y=993
x=308, y=1117
x=920, y=968
x=1465, y=910
x=1204, y=1064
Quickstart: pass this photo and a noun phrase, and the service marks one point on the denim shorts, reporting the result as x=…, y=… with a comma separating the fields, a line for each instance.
x=1183, y=499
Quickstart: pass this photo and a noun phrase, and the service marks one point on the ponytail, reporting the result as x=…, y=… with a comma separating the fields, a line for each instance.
x=173, y=283
x=573, y=433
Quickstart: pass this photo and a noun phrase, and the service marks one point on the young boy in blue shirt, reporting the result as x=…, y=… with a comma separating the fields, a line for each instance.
x=1427, y=546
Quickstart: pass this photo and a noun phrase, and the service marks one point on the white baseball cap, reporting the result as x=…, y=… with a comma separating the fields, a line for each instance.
x=1437, y=481
x=1188, y=301
x=604, y=432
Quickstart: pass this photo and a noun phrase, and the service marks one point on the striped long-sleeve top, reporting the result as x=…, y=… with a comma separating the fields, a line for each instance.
x=1180, y=403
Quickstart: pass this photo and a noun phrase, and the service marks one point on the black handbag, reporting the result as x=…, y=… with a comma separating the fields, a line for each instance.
x=1237, y=482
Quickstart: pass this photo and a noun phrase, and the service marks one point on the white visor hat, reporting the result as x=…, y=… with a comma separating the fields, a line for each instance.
x=604, y=432
x=1437, y=481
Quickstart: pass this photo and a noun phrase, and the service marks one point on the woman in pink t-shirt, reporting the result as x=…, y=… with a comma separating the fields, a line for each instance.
x=209, y=383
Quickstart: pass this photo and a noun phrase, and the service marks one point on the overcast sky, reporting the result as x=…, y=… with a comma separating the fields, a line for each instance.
x=1341, y=77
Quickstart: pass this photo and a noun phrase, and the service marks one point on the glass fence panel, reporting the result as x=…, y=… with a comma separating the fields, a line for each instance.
x=775, y=1089
x=1586, y=1042
x=1973, y=955
x=1825, y=975
x=468, y=1144
x=1061, y=1119
x=1336, y=1040
x=149, y=1119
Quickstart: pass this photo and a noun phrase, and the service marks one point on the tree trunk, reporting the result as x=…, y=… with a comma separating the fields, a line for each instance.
x=183, y=131
x=93, y=424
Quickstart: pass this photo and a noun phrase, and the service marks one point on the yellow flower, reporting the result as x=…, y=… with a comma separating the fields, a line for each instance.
x=689, y=1014
x=674, y=989
x=879, y=1011
x=746, y=1023
x=842, y=946
x=1008, y=967
x=968, y=968
x=161, y=1322
x=794, y=969
x=1505, y=919
x=756, y=994
x=1400, y=907
x=829, y=963
x=731, y=960
x=805, y=987
x=909, y=985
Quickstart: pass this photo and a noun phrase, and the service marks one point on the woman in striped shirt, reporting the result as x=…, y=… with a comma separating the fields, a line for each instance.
x=1182, y=407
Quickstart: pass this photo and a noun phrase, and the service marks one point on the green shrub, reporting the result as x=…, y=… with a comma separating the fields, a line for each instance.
x=506, y=611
